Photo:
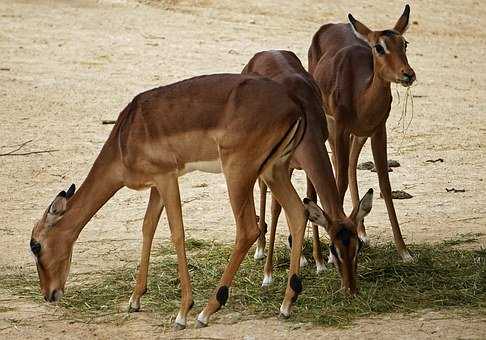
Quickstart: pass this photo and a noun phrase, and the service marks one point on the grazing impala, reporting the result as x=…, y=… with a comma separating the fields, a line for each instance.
x=311, y=155
x=245, y=126
x=354, y=67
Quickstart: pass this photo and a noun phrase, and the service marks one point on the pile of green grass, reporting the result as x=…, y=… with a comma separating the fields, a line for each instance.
x=442, y=276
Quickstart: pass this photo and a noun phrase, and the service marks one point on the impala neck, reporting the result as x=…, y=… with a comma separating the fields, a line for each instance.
x=311, y=156
x=376, y=96
x=326, y=189
x=102, y=182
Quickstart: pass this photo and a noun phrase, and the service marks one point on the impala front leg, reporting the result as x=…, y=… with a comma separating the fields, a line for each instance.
x=356, y=147
x=169, y=190
x=378, y=146
x=150, y=221
x=341, y=149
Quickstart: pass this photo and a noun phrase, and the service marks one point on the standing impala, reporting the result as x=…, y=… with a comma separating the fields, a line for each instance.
x=354, y=67
x=244, y=126
x=311, y=155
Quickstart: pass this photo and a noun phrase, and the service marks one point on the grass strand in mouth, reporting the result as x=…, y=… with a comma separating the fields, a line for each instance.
x=441, y=277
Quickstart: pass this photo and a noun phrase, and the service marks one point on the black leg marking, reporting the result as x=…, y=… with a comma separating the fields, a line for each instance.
x=296, y=284
x=290, y=241
x=222, y=295
x=264, y=228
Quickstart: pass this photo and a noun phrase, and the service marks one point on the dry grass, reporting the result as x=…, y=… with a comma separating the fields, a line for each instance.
x=441, y=277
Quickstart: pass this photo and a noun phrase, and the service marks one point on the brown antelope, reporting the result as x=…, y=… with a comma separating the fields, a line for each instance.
x=244, y=126
x=354, y=67
x=311, y=155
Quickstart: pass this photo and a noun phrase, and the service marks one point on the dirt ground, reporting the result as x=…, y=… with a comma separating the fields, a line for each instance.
x=67, y=65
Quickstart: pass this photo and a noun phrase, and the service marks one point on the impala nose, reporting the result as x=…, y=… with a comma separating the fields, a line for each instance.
x=408, y=77
x=53, y=296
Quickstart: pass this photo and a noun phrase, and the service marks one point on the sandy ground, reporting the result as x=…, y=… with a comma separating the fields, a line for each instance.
x=67, y=65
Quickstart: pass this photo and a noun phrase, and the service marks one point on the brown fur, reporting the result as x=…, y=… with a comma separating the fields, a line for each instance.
x=355, y=82
x=223, y=118
x=311, y=155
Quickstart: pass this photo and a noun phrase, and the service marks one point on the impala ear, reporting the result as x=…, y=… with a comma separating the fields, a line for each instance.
x=70, y=191
x=316, y=214
x=402, y=24
x=360, y=30
x=364, y=206
x=57, y=208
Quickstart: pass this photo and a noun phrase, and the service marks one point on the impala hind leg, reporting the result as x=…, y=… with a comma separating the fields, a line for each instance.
x=152, y=216
x=278, y=180
x=268, y=269
x=356, y=147
x=240, y=192
x=316, y=243
x=168, y=187
x=378, y=146
x=260, y=248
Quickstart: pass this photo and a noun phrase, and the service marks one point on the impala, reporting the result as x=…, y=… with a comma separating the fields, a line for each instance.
x=244, y=126
x=354, y=67
x=311, y=155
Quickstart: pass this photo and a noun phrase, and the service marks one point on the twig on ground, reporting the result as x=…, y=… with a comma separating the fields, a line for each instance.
x=28, y=153
x=106, y=122
x=20, y=146
x=455, y=190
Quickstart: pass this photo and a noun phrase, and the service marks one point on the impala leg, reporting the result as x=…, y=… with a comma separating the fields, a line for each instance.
x=241, y=197
x=316, y=244
x=378, y=146
x=152, y=216
x=268, y=269
x=341, y=150
x=356, y=147
x=260, y=249
x=279, y=182
x=331, y=127
x=169, y=190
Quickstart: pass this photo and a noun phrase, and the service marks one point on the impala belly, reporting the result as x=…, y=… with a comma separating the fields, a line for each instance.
x=213, y=166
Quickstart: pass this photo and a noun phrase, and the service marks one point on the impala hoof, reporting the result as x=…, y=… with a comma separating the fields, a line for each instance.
x=133, y=305
x=303, y=261
x=320, y=267
x=259, y=254
x=364, y=239
x=406, y=256
x=267, y=281
x=283, y=316
x=200, y=324
x=179, y=326
x=133, y=309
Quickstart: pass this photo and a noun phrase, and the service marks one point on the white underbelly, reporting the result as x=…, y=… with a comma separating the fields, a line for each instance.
x=213, y=167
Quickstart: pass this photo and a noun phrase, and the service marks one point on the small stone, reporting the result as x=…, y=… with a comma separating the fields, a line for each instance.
x=366, y=166
x=399, y=195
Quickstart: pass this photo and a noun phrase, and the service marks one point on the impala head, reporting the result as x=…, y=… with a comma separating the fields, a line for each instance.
x=344, y=244
x=52, y=247
x=389, y=49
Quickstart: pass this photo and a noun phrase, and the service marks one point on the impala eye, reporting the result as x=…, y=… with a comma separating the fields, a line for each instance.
x=379, y=49
x=35, y=247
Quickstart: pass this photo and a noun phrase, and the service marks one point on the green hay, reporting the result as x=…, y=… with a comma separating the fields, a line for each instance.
x=441, y=277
